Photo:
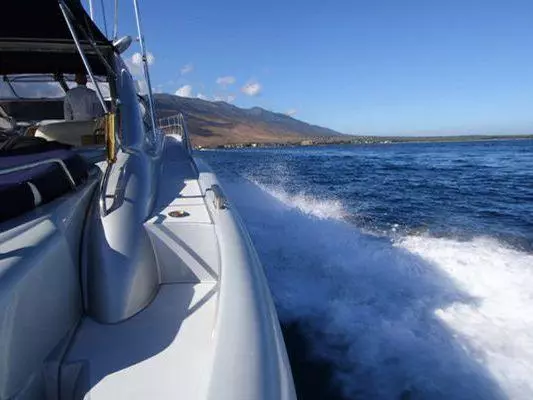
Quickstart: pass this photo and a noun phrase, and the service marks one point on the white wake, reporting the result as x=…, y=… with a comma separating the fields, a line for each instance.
x=414, y=318
x=499, y=325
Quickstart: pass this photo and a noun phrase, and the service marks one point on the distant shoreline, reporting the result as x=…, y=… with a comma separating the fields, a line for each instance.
x=370, y=140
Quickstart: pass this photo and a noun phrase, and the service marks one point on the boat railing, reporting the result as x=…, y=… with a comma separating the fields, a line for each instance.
x=176, y=125
x=58, y=161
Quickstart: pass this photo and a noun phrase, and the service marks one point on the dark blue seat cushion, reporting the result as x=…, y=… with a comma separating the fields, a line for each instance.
x=16, y=195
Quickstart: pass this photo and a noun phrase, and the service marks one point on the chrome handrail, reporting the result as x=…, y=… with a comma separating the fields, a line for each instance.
x=102, y=196
x=176, y=124
x=38, y=164
x=220, y=202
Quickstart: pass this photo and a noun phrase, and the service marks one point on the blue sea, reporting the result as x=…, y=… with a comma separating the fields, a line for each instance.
x=399, y=271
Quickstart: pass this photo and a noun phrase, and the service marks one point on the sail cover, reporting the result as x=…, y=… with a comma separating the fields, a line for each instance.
x=34, y=38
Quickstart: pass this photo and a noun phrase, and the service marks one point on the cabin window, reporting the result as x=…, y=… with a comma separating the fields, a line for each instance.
x=30, y=87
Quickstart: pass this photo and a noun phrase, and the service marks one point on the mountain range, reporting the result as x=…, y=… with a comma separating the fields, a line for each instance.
x=217, y=123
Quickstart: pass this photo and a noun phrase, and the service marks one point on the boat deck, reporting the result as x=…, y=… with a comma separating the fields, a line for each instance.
x=159, y=353
x=167, y=348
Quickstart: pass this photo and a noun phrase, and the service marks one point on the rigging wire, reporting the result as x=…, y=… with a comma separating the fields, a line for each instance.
x=145, y=69
x=115, y=25
x=91, y=9
x=104, y=17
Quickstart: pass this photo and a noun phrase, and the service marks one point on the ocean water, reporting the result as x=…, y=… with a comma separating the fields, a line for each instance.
x=400, y=271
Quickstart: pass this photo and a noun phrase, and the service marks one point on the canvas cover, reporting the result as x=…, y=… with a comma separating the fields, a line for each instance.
x=34, y=38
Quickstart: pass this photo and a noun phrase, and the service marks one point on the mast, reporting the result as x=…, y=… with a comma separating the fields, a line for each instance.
x=115, y=23
x=145, y=66
x=91, y=12
x=104, y=16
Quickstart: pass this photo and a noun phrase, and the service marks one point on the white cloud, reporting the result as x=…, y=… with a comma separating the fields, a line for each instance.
x=187, y=68
x=134, y=63
x=292, y=112
x=150, y=58
x=228, y=99
x=184, y=91
x=251, y=88
x=226, y=80
x=202, y=96
x=136, y=58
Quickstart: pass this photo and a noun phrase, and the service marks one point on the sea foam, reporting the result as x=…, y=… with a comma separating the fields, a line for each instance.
x=499, y=326
x=323, y=209
x=412, y=317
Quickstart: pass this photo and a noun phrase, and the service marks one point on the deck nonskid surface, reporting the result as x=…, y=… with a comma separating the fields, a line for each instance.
x=164, y=350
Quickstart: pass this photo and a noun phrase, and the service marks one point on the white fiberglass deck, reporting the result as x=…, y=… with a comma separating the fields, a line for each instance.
x=201, y=337
x=163, y=352
x=166, y=350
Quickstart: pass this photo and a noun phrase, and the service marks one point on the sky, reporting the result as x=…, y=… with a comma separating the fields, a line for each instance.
x=401, y=67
